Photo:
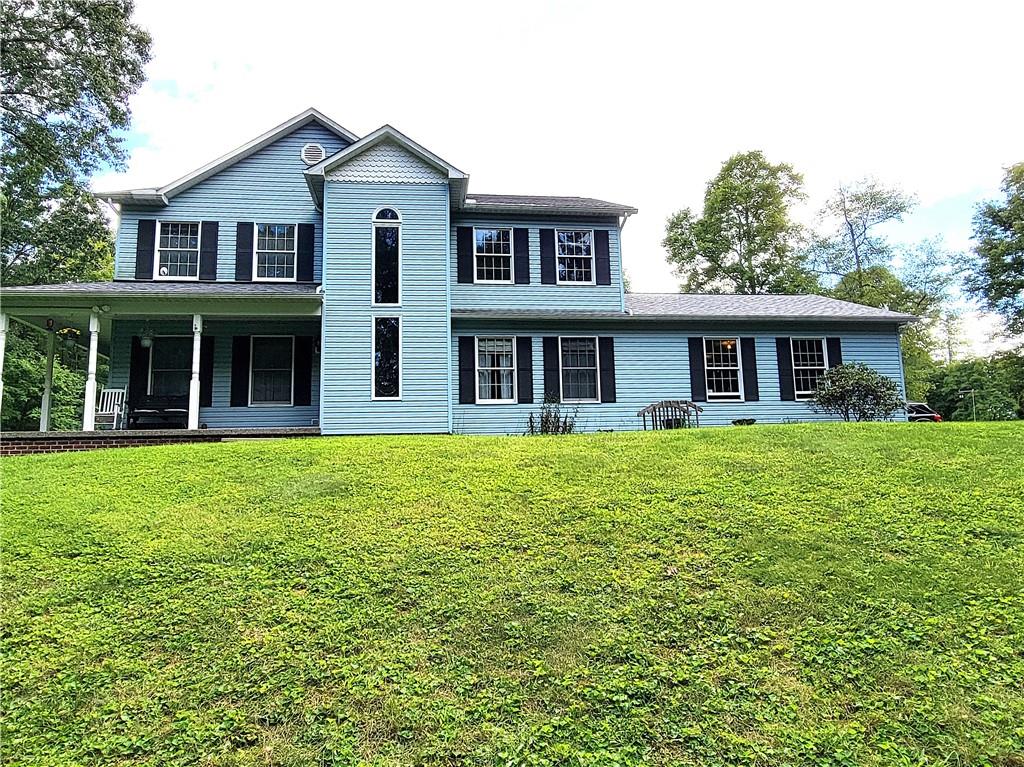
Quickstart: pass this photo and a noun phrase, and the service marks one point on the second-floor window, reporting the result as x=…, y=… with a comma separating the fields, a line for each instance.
x=177, y=251
x=722, y=368
x=275, y=252
x=575, y=255
x=387, y=256
x=492, y=250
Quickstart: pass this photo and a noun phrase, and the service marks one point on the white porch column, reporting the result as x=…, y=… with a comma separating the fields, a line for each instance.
x=89, y=415
x=44, y=408
x=3, y=345
x=193, y=384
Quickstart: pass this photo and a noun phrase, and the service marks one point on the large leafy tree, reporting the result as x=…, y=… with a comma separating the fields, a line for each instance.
x=850, y=241
x=988, y=389
x=69, y=68
x=995, y=274
x=744, y=242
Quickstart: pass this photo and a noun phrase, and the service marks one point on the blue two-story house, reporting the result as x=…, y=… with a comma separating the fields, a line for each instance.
x=314, y=278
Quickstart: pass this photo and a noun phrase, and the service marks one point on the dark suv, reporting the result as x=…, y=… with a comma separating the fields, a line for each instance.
x=918, y=411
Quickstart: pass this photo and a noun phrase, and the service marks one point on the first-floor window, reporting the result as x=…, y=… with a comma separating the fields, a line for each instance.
x=177, y=250
x=722, y=368
x=170, y=366
x=579, y=369
x=275, y=251
x=271, y=377
x=809, y=364
x=496, y=369
x=387, y=364
x=575, y=255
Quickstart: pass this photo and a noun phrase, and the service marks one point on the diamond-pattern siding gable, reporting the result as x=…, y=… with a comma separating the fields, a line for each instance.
x=389, y=163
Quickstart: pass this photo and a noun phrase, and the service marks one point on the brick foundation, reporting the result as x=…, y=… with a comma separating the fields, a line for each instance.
x=29, y=442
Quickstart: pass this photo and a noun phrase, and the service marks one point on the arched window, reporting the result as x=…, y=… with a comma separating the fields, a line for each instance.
x=387, y=260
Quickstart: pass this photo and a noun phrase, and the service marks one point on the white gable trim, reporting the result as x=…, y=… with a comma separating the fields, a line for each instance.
x=161, y=195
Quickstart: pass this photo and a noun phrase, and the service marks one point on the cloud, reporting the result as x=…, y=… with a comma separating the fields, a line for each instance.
x=637, y=103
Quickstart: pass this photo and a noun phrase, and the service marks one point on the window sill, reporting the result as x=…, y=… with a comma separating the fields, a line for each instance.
x=176, y=278
x=497, y=402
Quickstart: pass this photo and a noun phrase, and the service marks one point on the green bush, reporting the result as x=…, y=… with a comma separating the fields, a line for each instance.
x=856, y=392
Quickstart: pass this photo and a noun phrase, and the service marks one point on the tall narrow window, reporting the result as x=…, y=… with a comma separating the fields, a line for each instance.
x=496, y=370
x=575, y=255
x=387, y=363
x=271, y=372
x=492, y=249
x=387, y=240
x=275, y=252
x=722, y=368
x=177, y=251
x=170, y=366
x=579, y=369
x=809, y=364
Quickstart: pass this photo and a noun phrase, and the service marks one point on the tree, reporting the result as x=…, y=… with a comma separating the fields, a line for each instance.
x=744, y=241
x=851, y=244
x=856, y=392
x=989, y=389
x=69, y=68
x=995, y=273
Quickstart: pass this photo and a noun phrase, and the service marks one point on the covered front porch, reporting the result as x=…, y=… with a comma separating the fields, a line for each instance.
x=182, y=356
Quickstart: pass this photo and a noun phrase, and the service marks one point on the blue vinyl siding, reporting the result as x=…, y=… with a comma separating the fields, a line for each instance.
x=348, y=314
x=267, y=187
x=653, y=364
x=537, y=295
x=221, y=414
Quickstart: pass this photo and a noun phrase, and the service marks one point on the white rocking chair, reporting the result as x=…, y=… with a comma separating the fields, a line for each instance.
x=110, y=411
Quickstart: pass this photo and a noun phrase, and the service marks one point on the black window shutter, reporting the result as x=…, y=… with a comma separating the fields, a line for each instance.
x=206, y=371
x=145, y=249
x=304, y=254
x=748, y=356
x=303, y=373
x=464, y=249
x=208, y=251
x=243, y=252
x=240, y=348
x=835, y=351
x=524, y=369
x=698, y=384
x=467, y=370
x=602, y=257
x=606, y=356
x=138, y=373
x=552, y=370
x=547, y=256
x=521, y=255
x=784, y=353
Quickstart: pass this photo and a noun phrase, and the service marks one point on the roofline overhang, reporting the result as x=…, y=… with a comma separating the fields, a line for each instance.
x=468, y=206
x=317, y=175
x=159, y=197
x=472, y=314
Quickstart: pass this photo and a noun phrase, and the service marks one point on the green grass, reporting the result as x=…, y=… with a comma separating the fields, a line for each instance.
x=814, y=595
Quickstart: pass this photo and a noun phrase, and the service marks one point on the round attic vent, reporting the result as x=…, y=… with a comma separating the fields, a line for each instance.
x=312, y=154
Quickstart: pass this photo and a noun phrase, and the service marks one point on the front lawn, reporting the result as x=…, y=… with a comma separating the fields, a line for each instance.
x=812, y=595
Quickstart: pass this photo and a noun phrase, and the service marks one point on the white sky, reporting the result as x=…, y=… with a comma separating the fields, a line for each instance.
x=636, y=102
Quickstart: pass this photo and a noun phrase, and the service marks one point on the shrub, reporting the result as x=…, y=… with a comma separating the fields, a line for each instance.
x=551, y=420
x=857, y=393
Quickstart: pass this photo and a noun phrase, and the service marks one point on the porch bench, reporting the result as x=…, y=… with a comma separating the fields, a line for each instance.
x=158, y=412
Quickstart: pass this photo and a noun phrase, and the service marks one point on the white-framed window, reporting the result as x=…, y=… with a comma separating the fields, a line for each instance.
x=274, y=252
x=177, y=250
x=574, y=249
x=810, y=361
x=387, y=257
x=495, y=370
x=723, y=369
x=170, y=366
x=492, y=253
x=387, y=358
x=578, y=368
x=271, y=370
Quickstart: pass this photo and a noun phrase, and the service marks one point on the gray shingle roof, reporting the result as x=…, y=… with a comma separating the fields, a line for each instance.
x=526, y=203
x=162, y=288
x=702, y=305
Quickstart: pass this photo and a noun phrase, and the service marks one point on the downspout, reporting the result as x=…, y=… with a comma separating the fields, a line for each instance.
x=448, y=297
x=622, y=269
